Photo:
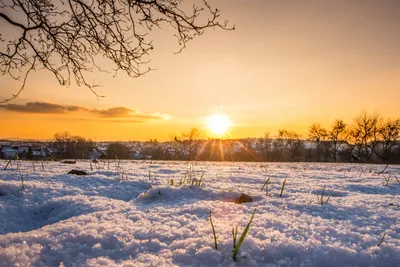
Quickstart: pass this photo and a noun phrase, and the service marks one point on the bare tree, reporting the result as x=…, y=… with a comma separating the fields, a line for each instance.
x=337, y=135
x=279, y=144
x=366, y=133
x=189, y=141
x=294, y=145
x=317, y=134
x=264, y=146
x=70, y=38
x=72, y=146
x=389, y=133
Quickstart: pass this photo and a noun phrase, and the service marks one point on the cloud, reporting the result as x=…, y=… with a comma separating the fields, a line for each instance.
x=35, y=107
x=76, y=108
x=114, y=114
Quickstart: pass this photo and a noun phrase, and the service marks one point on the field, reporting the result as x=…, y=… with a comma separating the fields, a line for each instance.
x=127, y=213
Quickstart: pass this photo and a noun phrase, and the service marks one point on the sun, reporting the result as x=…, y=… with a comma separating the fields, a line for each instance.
x=218, y=124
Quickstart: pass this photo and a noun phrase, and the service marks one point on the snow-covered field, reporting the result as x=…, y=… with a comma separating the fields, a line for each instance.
x=131, y=215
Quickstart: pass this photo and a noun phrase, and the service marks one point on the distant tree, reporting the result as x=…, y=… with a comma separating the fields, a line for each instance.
x=71, y=38
x=365, y=133
x=389, y=133
x=118, y=151
x=29, y=155
x=72, y=146
x=294, y=145
x=189, y=142
x=279, y=144
x=247, y=150
x=337, y=135
x=317, y=134
x=264, y=146
x=156, y=150
x=60, y=142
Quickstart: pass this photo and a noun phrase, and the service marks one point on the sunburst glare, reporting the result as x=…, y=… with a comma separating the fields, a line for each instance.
x=218, y=124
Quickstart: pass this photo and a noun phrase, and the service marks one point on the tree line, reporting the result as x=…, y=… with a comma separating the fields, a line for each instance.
x=369, y=138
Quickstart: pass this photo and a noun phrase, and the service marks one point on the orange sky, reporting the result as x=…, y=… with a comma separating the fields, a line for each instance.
x=288, y=64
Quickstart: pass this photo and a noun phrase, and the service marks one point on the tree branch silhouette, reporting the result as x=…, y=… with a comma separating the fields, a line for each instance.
x=67, y=37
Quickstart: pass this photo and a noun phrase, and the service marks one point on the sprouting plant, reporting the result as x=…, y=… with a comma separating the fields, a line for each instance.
x=42, y=166
x=149, y=175
x=234, y=235
x=383, y=237
x=91, y=166
x=199, y=183
x=362, y=172
x=266, y=185
x=213, y=230
x=8, y=163
x=171, y=182
x=33, y=166
x=322, y=196
x=386, y=180
x=283, y=187
x=242, y=237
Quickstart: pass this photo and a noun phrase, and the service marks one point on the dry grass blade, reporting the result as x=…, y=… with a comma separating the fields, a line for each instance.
x=387, y=180
x=383, y=170
x=283, y=187
x=265, y=184
x=8, y=163
x=383, y=237
x=329, y=197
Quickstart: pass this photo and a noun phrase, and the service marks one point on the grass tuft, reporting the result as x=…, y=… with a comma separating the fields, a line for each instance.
x=387, y=180
x=234, y=236
x=322, y=196
x=242, y=237
x=213, y=230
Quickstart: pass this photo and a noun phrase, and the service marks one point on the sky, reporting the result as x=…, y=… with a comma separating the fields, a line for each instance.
x=286, y=65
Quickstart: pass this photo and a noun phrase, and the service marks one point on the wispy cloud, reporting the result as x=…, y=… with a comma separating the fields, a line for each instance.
x=113, y=114
x=36, y=107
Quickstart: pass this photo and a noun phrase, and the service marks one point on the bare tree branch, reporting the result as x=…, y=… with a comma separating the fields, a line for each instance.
x=70, y=37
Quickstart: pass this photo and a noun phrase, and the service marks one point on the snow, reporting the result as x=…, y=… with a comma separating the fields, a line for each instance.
x=129, y=214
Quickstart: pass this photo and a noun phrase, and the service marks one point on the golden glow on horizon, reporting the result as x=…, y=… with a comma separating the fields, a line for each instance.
x=284, y=67
x=218, y=124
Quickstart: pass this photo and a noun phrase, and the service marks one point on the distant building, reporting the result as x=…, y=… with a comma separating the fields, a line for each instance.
x=97, y=153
